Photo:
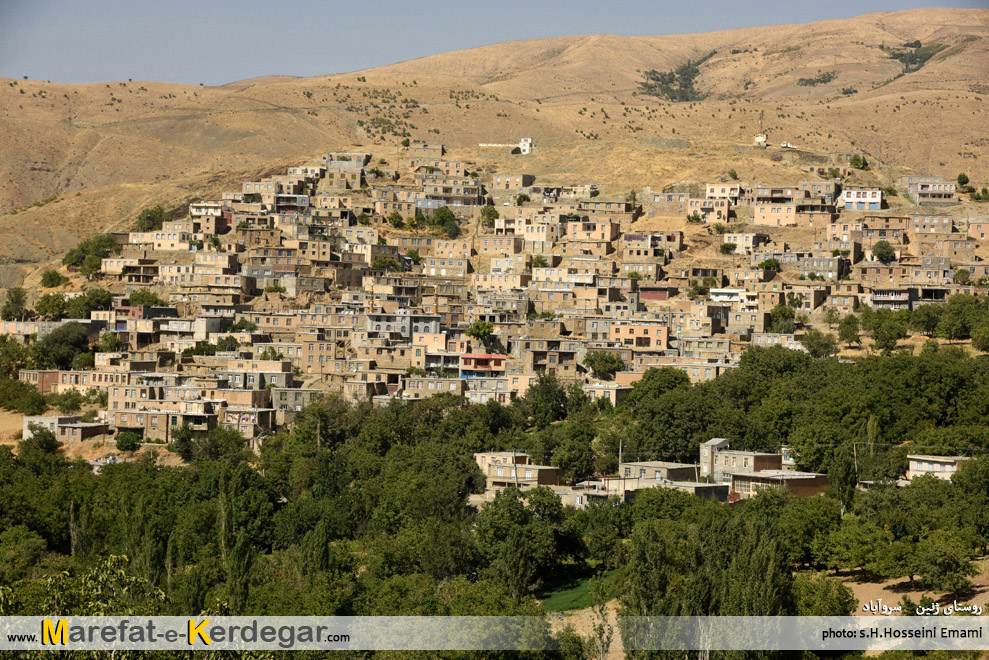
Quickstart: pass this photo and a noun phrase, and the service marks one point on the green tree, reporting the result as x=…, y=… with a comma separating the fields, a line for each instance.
x=819, y=344
x=13, y=356
x=83, y=361
x=15, y=306
x=887, y=331
x=80, y=307
x=91, y=265
x=59, y=347
x=884, y=252
x=522, y=538
x=51, y=306
x=396, y=220
x=771, y=264
x=648, y=391
x=128, y=441
x=51, y=278
x=109, y=342
x=413, y=255
x=521, y=199
x=152, y=219
x=980, y=337
x=20, y=549
x=481, y=331
x=244, y=325
x=820, y=595
x=925, y=318
x=727, y=248
x=782, y=319
x=943, y=561
x=603, y=363
x=145, y=296
x=447, y=221
x=489, y=214
x=546, y=400
x=961, y=276
x=539, y=261
x=958, y=315
x=962, y=179
x=100, y=246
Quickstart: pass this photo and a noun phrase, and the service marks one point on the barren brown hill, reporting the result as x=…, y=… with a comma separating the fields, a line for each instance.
x=106, y=150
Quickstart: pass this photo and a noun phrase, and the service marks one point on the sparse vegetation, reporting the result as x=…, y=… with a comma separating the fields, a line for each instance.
x=822, y=78
x=677, y=85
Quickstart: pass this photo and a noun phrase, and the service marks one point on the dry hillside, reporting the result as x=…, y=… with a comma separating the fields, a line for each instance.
x=107, y=150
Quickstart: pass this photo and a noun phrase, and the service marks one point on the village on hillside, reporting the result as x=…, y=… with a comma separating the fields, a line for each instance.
x=379, y=281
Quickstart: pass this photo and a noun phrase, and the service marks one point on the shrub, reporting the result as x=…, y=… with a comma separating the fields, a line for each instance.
x=52, y=278
x=128, y=441
x=244, y=325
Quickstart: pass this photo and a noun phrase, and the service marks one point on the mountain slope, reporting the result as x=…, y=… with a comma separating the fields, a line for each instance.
x=124, y=144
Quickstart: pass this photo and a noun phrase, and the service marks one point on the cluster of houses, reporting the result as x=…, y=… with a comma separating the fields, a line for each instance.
x=329, y=278
x=721, y=473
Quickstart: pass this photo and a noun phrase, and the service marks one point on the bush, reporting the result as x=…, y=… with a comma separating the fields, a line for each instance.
x=489, y=214
x=728, y=248
x=771, y=264
x=128, y=441
x=52, y=278
x=244, y=325
x=388, y=264
x=820, y=79
x=201, y=348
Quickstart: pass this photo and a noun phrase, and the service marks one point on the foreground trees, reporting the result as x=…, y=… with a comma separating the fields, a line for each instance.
x=363, y=510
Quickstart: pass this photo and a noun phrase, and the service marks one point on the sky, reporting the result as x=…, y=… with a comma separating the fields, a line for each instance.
x=219, y=41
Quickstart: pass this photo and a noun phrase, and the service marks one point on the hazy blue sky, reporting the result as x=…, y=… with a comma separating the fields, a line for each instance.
x=219, y=41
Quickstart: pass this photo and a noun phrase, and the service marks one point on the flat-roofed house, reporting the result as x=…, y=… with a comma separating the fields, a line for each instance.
x=942, y=467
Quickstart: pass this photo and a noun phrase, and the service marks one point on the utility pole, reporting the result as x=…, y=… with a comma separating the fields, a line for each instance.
x=515, y=472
